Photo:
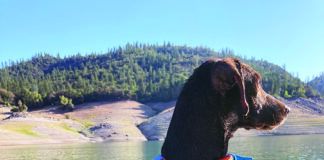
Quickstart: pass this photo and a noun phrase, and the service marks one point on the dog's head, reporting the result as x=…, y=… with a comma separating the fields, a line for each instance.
x=221, y=96
x=240, y=85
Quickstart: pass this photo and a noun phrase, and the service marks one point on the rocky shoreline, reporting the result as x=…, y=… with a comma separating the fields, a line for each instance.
x=130, y=120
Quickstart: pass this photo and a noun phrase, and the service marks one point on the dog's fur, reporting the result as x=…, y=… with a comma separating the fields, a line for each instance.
x=221, y=96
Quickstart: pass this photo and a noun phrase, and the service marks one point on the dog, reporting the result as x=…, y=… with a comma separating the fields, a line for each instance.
x=221, y=96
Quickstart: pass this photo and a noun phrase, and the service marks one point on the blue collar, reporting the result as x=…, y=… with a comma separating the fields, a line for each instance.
x=238, y=157
x=159, y=157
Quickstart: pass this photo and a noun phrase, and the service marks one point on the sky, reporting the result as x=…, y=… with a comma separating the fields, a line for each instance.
x=289, y=32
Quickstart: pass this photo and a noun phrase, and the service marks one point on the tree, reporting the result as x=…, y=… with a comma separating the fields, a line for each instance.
x=31, y=98
x=286, y=94
x=6, y=97
x=66, y=103
x=140, y=72
x=22, y=107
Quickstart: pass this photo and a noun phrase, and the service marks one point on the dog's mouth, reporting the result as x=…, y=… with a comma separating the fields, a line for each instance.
x=272, y=124
x=271, y=127
x=262, y=127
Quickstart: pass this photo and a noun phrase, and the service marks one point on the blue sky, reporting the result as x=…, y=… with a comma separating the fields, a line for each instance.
x=289, y=32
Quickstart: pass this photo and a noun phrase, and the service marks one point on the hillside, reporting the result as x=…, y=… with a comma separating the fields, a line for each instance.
x=318, y=84
x=138, y=72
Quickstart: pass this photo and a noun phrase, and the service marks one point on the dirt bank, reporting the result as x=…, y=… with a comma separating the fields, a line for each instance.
x=92, y=122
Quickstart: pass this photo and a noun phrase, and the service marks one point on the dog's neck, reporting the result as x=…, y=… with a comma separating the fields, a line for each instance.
x=230, y=122
x=197, y=133
x=204, y=145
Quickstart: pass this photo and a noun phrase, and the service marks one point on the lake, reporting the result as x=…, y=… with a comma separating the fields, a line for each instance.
x=294, y=147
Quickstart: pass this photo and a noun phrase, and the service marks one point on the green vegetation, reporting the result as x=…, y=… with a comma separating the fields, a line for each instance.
x=21, y=128
x=138, y=71
x=20, y=108
x=318, y=83
x=67, y=116
x=85, y=122
x=68, y=128
x=66, y=103
x=6, y=97
x=27, y=131
x=277, y=81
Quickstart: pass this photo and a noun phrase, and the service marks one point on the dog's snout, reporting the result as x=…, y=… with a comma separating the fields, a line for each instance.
x=287, y=110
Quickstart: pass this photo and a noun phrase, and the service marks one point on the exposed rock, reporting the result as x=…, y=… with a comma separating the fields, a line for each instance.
x=156, y=127
x=161, y=106
x=18, y=115
x=100, y=126
x=312, y=106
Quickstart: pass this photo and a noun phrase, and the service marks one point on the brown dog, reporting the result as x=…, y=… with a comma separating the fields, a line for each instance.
x=221, y=96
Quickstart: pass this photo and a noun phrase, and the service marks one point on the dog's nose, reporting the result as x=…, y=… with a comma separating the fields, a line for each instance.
x=287, y=110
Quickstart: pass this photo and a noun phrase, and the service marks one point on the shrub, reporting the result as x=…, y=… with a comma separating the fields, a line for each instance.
x=286, y=94
x=66, y=103
x=7, y=104
x=15, y=109
x=6, y=97
x=67, y=116
x=22, y=107
x=32, y=98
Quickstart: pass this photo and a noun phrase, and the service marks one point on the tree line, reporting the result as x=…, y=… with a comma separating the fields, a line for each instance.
x=136, y=71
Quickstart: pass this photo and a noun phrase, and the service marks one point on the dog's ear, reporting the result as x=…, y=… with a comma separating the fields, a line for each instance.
x=226, y=74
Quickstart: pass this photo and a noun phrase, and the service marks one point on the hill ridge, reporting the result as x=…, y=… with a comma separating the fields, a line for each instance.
x=137, y=71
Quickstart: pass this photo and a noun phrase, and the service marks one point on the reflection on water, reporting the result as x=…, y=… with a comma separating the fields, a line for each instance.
x=261, y=148
x=93, y=151
x=297, y=147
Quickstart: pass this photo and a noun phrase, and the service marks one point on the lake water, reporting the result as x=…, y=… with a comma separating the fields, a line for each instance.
x=297, y=147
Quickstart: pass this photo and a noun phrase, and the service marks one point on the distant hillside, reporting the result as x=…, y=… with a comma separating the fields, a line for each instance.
x=318, y=84
x=136, y=71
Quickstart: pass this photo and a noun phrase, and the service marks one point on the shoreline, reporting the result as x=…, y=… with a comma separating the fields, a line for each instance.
x=15, y=146
x=126, y=121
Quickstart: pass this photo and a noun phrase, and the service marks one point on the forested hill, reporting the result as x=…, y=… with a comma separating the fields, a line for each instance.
x=318, y=83
x=136, y=71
